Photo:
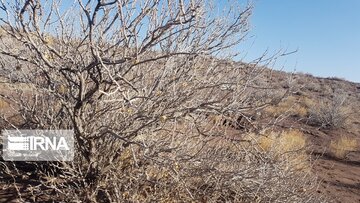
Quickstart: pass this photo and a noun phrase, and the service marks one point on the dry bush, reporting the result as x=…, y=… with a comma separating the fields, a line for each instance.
x=176, y=167
x=137, y=81
x=330, y=114
x=313, y=86
x=342, y=146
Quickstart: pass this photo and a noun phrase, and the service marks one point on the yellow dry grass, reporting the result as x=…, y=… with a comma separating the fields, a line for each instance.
x=291, y=105
x=341, y=147
x=292, y=140
x=8, y=88
x=3, y=104
x=307, y=102
x=289, y=146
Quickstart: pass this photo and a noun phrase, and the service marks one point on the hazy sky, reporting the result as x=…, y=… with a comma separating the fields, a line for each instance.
x=325, y=32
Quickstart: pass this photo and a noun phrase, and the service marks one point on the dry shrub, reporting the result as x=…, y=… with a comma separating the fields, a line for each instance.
x=221, y=171
x=330, y=114
x=124, y=88
x=341, y=147
x=178, y=167
x=313, y=86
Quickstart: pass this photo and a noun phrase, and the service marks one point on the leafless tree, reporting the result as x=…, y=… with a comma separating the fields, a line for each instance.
x=138, y=81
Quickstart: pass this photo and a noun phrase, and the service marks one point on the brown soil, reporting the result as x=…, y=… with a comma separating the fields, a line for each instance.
x=340, y=178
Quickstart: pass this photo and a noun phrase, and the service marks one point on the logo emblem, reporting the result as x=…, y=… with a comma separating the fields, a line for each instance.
x=38, y=145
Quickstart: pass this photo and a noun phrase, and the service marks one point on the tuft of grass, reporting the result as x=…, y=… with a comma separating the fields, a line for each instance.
x=308, y=102
x=287, y=141
x=289, y=146
x=292, y=140
x=3, y=104
x=341, y=147
x=289, y=106
x=266, y=142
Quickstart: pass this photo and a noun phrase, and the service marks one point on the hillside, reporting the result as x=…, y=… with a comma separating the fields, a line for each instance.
x=339, y=172
x=337, y=169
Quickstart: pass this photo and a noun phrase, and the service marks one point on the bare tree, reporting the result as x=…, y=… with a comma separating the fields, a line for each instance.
x=137, y=81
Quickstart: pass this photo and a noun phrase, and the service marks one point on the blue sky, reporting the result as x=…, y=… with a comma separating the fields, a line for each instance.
x=325, y=32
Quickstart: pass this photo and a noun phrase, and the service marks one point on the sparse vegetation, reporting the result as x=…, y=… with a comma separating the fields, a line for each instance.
x=330, y=114
x=288, y=145
x=290, y=106
x=3, y=104
x=342, y=146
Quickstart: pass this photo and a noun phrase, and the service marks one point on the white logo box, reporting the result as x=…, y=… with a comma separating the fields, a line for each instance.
x=38, y=145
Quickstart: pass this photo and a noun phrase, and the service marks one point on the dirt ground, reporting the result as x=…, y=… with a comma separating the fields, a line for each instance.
x=340, y=178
